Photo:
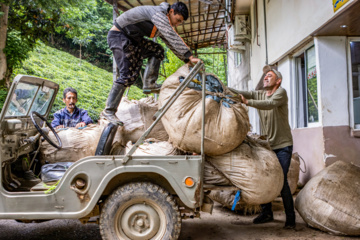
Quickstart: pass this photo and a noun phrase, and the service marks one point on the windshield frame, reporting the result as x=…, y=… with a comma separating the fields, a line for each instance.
x=41, y=83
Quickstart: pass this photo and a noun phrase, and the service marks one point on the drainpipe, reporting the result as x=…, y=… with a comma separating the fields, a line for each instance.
x=265, y=29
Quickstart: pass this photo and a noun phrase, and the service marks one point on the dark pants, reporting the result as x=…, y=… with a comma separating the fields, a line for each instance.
x=284, y=156
x=129, y=55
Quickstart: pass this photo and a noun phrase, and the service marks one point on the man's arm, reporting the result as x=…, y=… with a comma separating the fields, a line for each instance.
x=246, y=94
x=277, y=99
x=84, y=117
x=170, y=37
x=56, y=123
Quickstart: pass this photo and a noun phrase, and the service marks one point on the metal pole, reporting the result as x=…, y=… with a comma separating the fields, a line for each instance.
x=203, y=114
x=162, y=111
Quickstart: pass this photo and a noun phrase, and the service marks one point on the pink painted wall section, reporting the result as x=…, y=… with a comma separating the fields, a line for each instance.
x=309, y=143
x=340, y=145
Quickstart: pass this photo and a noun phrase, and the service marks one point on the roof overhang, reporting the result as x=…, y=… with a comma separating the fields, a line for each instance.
x=207, y=22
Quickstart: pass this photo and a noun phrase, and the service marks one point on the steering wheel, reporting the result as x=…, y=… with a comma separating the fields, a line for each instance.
x=32, y=115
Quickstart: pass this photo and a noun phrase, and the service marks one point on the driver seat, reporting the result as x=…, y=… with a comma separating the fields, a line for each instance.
x=105, y=142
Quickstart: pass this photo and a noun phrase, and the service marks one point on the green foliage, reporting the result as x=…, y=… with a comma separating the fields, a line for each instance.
x=214, y=63
x=30, y=21
x=313, y=111
x=3, y=93
x=90, y=25
x=17, y=49
x=92, y=83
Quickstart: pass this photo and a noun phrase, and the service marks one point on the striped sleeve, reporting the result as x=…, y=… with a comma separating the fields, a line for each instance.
x=170, y=37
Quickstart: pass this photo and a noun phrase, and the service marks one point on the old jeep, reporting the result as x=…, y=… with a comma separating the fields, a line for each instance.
x=131, y=197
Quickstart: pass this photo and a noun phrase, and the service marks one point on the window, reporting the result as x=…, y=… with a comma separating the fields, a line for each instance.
x=311, y=85
x=307, y=88
x=355, y=80
x=237, y=59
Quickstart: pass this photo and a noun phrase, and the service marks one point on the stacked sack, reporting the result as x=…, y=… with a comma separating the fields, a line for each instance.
x=248, y=165
x=252, y=168
x=137, y=117
x=226, y=197
x=76, y=144
x=227, y=121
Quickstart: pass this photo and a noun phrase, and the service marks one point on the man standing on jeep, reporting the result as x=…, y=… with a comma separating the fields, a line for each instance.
x=127, y=41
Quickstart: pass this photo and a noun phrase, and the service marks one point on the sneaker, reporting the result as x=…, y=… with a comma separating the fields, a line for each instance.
x=263, y=218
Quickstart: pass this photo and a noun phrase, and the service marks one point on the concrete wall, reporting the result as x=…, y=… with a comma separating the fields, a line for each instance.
x=333, y=78
x=239, y=75
x=289, y=23
x=309, y=143
x=340, y=145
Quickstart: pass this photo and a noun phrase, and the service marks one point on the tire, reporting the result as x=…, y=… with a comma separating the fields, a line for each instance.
x=140, y=211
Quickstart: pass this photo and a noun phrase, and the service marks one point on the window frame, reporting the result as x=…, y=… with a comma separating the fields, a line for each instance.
x=350, y=80
x=236, y=60
x=295, y=62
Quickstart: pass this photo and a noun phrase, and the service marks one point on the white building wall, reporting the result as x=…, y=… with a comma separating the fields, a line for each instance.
x=284, y=66
x=333, y=78
x=290, y=23
x=258, y=45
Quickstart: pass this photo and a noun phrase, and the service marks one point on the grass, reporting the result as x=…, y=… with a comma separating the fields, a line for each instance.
x=92, y=83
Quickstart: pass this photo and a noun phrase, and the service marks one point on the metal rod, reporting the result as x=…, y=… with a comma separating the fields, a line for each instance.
x=179, y=90
x=162, y=111
x=203, y=113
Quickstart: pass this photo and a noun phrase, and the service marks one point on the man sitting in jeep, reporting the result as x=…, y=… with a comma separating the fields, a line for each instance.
x=70, y=116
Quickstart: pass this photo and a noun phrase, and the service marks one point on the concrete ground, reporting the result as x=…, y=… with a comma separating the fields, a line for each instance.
x=226, y=225
x=223, y=224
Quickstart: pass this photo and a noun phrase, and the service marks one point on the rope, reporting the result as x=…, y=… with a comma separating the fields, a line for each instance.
x=304, y=164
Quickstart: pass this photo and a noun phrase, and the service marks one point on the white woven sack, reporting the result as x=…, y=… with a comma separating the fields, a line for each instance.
x=137, y=117
x=225, y=127
x=153, y=147
x=76, y=144
x=330, y=200
x=255, y=170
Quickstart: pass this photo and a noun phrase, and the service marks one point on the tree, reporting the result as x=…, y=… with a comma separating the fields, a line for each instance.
x=4, y=11
x=83, y=40
x=30, y=21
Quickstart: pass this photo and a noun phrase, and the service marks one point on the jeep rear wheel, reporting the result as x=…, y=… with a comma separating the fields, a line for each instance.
x=140, y=211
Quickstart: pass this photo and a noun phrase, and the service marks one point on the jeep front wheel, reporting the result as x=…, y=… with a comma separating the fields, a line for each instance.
x=140, y=211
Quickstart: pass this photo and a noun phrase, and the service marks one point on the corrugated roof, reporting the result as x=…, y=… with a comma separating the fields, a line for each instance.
x=206, y=23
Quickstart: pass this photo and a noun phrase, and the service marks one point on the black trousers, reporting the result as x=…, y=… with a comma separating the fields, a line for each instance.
x=129, y=55
x=284, y=156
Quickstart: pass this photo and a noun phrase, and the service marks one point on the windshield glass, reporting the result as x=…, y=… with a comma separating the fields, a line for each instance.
x=28, y=96
x=42, y=100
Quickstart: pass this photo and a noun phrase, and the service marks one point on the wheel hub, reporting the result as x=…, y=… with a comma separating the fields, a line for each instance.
x=140, y=221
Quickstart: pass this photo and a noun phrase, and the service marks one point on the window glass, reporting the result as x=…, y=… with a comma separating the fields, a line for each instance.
x=355, y=72
x=21, y=99
x=311, y=84
x=237, y=59
x=42, y=100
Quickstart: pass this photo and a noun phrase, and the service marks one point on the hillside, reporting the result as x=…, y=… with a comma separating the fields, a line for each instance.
x=92, y=83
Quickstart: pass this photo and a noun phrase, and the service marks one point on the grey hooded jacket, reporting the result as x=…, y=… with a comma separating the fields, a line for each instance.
x=151, y=21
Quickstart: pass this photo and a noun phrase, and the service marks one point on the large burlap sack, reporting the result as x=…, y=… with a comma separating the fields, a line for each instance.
x=154, y=147
x=330, y=200
x=76, y=144
x=255, y=170
x=137, y=117
x=294, y=171
x=226, y=198
x=227, y=122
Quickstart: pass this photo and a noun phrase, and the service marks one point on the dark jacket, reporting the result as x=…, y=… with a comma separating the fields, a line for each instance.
x=151, y=21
